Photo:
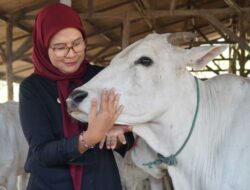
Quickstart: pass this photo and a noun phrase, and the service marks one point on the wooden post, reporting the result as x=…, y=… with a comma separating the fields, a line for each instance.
x=90, y=7
x=2, y=55
x=125, y=32
x=242, y=58
x=9, y=72
x=1, y=58
x=172, y=7
x=232, y=62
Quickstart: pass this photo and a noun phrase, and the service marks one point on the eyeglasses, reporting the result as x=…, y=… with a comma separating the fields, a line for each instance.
x=62, y=50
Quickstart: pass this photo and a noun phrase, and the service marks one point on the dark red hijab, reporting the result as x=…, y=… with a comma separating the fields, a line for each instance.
x=49, y=21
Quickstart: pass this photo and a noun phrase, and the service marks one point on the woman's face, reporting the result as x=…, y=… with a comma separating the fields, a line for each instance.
x=67, y=50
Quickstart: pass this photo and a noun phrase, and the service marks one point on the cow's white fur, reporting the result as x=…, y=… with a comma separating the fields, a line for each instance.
x=132, y=173
x=13, y=148
x=160, y=102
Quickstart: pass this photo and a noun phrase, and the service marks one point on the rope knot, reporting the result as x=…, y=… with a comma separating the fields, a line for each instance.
x=170, y=160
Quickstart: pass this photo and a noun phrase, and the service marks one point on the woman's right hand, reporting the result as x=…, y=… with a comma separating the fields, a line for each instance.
x=101, y=121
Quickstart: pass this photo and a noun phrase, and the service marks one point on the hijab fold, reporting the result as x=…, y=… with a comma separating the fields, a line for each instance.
x=49, y=21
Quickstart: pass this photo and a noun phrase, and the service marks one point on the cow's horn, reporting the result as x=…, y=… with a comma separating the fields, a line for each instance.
x=181, y=38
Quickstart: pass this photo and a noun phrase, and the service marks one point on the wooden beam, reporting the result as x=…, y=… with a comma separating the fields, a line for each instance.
x=36, y=6
x=103, y=44
x=217, y=24
x=22, y=13
x=220, y=31
x=146, y=4
x=9, y=74
x=210, y=69
x=97, y=55
x=23, y=69
x=133, y=36
x=162, y=13
x=27, y=59
x=106, y=30
x=103, y=31
x=202, y=35
x=15, y=78
x=102, y=7
x=16, y=38
x=17, y=24
x=151, y=5
x=115, y=43
x=118, y=42
x=111, y=5
x=233, y=5
x=140, y=7
x=106, y=37
x=218, y=67
x=96, y=28
x=27, y=44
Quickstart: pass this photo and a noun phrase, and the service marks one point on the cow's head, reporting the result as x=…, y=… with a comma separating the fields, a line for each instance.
x=147, y=75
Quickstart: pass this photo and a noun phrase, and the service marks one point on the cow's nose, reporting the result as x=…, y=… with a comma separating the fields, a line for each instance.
x=78, y=95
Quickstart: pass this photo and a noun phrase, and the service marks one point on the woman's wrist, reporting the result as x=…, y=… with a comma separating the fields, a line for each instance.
x=84, y=143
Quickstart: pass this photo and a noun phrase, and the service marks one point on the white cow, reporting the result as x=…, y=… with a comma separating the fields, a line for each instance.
x=13, y=147
x=162, y=100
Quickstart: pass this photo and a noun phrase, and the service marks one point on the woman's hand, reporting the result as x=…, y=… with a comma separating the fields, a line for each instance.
x=100, y=122
x=115, y=136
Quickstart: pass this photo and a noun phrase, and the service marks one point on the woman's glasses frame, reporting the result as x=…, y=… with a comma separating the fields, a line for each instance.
x=62, y=49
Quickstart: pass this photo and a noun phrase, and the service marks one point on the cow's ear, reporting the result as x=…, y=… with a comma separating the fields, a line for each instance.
x=198, y=57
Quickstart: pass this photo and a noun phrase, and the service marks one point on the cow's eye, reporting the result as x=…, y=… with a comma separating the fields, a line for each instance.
x=145, y=61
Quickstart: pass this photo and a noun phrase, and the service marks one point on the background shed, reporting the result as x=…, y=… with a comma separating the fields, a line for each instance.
x=113, y=24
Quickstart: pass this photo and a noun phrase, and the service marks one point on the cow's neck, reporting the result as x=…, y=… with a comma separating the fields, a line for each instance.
x=167, y=133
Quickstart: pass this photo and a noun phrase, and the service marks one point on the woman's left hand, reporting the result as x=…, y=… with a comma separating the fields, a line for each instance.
x=115, y=136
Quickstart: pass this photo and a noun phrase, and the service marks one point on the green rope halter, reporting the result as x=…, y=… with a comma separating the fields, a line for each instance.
x=172, y=160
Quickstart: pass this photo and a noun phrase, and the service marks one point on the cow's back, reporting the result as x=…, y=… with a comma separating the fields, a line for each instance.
x=7, y=154
x=13, y=145
x=15, y=129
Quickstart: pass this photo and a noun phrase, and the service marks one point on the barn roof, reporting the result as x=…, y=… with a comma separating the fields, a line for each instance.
x=113, y=24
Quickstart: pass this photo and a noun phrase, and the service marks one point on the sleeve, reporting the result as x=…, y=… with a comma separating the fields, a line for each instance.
x=124, y=148
x=36, y=125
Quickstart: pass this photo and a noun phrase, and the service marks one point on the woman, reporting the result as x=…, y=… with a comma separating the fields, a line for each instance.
x=63, y=154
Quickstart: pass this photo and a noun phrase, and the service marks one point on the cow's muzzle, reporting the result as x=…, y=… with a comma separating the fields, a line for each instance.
x=74, y=99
